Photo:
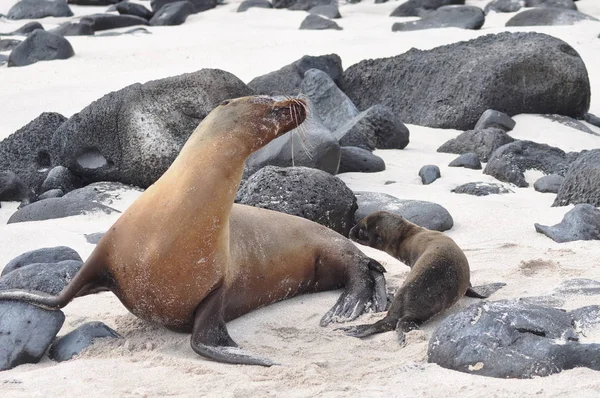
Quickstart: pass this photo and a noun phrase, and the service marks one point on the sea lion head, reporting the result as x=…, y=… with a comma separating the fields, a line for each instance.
x=379, y=229
x=257, y=120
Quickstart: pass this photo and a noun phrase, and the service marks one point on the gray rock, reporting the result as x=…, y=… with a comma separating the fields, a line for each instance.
x=582, y=181
x=504, y=6
x=25, y=29
x=48, y=209
x=53, y=193
x=468, y=160
x=439, y=88
x=580, y=287
x=41, y=277
x=26, y=332
x=46, y=255
x=305, y=5
x=507, y=339
x=287, y=80
x=129, y=8
x=492, y=118
x=172, y=14
x=134, y=134
x=510, y=161
x=310, y=145
x=74, y=342
x=552, y=300
x=429, y=174
x=101, y=192
x=3, y=59
x=331, y=105
x=358, y=160
x=580, y=223
x=12, y=188
x=375, y=128
x=481, y=189
x=303, y=192
x=549, y=184
x=61, y=178
x=315, y=22
x=101, y=22
x=480, y=142
x=27, y=151
x=199, y=5
x=592, y=119
x=93, y=2
x=570, y=122
x=94, y=238
x=8, y=44
x=35, y=9
x=328, y=11
x=464, y=17
x=40, y=46
x=548, y=16
x=569, y=4
x=73, y=29
x=283, y=3
x=586, y=318
x=247, y=4
x=416, y=8
x=425, y=214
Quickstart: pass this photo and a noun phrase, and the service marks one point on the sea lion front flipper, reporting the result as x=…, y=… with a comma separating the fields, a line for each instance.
x=210, y=338
x=484, y=291
x=360, y=331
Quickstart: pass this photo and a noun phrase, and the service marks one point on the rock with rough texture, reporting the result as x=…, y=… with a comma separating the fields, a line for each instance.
x=429, y=174
x=101, y=192
x=548, y=16
x=12, y=188
x=61, y=178
x=287, y=80
x=480, y=142
x=330, y=103
x=48, y=209
x=172, y=14
x=510, y=161
x=129, y=8
x=580, y=223
x=516, y=73
x=35, y=9
x=425, y=214
x=492, y=118
x=375, y=128
x=305, y=5
x=25, y=29
x=45, y=255
x=53, y=193
x=101, y=22
x=26, y=332
x=463, y=17
x=481, y=189
x=552, y=4
x=304, y=192
x=415, y=8
x=199, y=5
x=134, y=134
x=27, y=151
x=247, y=4
x=508, y=339
x=41, y=277
x=358, y=160
x=73, y=29
x=283, y=3
x=549, y=184
x=8, y=44
x=328, y=11
x=74, y=342
x=310, y=145
x=582, y=181
x=316, y=22
x=40, y=46
x=504, y=6
x=579, y=287
x=468, y=160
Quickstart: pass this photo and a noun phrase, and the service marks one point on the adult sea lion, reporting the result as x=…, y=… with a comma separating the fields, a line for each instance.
x=439, y=274
x=175, y=256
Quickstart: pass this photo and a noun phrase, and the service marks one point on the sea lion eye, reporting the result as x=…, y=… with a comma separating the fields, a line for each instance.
x=362, y=235
x=225, y=102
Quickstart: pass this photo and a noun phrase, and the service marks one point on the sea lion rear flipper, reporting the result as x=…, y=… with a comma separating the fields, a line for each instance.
x=484, y=291
x=210, y=338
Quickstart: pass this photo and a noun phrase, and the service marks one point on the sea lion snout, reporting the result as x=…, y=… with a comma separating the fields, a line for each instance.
x=289, y=112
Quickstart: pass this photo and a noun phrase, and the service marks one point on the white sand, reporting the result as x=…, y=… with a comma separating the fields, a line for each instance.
x=496, y=232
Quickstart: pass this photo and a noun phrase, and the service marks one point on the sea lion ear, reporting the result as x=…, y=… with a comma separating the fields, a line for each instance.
x=225, y=102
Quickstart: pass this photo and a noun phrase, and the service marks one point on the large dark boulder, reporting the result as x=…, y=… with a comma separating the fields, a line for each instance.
x=41, y=277
x=25, y=29
x=45, y=255
x=73, y=29
x=40, y=46
x=492, y=118
x=548, y=16
x=580, y=223
x=12, y=188
x=516, y=73
x=105, y=193
x=304, y=192
x=504, y=6
x=552, y=4
x=508, y=339
x=549, y=183
x=247, y=4
x=316, y=22
x=358, y=160
x=463, y=17
x=199, y=5
x=415, y=8
x=101, y=22
x=48, y=209
x=510, y=161
x=425, y=214
x=34, y=9
x=305, y=5
x=172, y=14
x=74, y=342
x=129, y=8
x=134, y=134
x=287, y=80
x=582, y=181
x=61, y=178
x=481, y=189
x=429, y=173
x=467, y=160
x=27, y=151
x=481, y=142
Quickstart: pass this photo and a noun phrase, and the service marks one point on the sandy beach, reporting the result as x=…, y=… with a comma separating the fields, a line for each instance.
x=496, y=232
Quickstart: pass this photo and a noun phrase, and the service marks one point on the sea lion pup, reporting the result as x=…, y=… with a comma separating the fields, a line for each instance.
x=439, y=274
x=170, y=260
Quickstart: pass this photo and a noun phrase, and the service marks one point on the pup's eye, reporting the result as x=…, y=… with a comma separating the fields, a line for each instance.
x=362, y=235
x=225, y=102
